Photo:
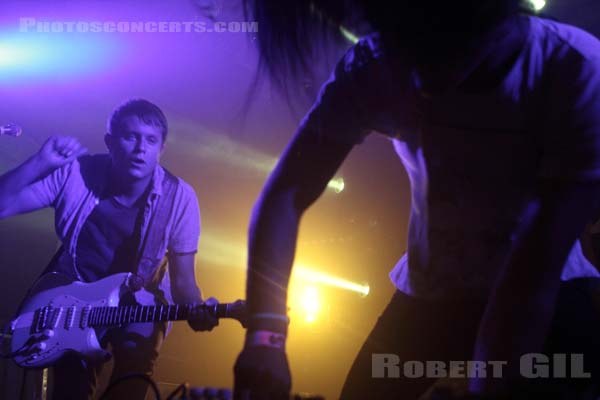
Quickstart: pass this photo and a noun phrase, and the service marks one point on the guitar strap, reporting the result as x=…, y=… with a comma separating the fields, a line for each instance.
x=150, y=268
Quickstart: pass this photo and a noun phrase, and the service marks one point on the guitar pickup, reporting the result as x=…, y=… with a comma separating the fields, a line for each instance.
x=55, y=317
x=85, y=317
x=70, y=317
x=40, y=319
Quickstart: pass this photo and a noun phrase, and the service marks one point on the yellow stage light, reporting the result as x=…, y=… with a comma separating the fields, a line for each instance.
x=310, y=303
x=336, y=184
x=313, y=275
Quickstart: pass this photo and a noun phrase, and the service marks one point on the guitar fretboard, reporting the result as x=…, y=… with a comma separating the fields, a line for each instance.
x=84, y=317
x=107, y=316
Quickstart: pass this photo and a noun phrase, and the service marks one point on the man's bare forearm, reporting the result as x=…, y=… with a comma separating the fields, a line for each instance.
x=272, y=242
x=183, y=279
x=187, y=293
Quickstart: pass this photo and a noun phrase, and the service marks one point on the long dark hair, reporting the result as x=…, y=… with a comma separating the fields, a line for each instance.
x=290, y=30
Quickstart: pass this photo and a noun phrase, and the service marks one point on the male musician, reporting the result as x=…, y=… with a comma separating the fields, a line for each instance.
x=108, y=210
x=495, y=116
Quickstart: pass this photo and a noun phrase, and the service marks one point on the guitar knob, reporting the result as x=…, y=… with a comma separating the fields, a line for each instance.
x=48, y=333
x=39, y=347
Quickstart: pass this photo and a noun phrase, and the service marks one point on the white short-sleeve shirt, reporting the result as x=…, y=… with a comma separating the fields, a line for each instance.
x=529, y=109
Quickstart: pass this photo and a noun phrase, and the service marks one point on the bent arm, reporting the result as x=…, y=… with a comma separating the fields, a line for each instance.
x=520, y=310
x=185, y=291
x=56, y=152
x=183, y=279
x=12, y=199
x=301, y=175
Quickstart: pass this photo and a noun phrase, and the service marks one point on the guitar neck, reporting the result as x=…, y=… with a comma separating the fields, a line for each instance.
x=113, y=316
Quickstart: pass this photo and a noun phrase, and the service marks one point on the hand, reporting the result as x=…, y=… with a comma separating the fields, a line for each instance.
x=262, y=373
x=203, y=319
x=60, y=150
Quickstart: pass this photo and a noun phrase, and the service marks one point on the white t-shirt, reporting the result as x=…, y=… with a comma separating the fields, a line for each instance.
x=527, y=109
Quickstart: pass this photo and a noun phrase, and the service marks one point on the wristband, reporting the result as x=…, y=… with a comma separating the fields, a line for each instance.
x=268, y=322
x=265, y=338
x=268, y=315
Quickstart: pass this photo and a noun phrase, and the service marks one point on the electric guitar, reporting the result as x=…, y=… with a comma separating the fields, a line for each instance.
x=64, y=319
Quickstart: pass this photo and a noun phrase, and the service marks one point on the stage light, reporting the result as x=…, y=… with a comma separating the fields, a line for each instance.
x=337, y=185
x=349, y=36
x=221, y=148
x=220, y=251
x=538, y=5
x=315, y=276
x=310, y=303
x=28, y=56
